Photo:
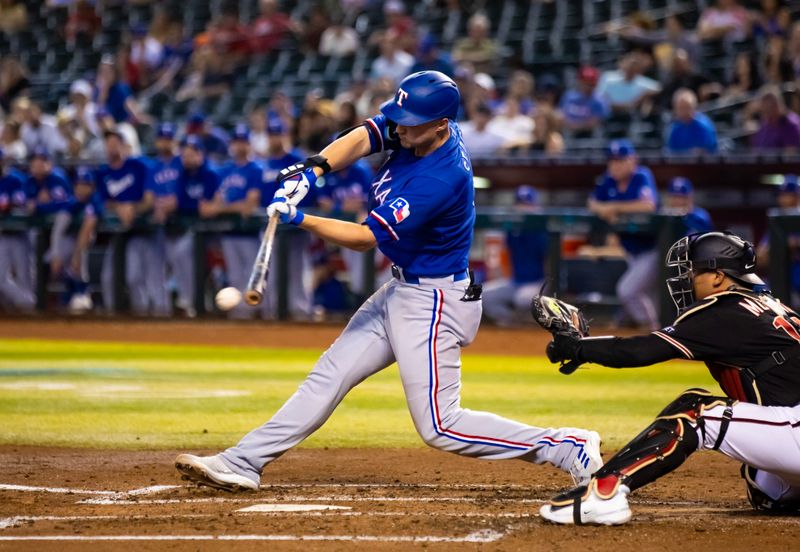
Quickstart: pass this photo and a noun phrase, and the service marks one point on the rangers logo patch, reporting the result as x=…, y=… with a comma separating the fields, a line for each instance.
x=400, y=209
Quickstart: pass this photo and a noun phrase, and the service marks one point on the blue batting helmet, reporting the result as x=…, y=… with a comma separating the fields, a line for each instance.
x=423, y=97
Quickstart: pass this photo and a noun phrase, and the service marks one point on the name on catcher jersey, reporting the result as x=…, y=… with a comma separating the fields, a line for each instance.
x=422, y=209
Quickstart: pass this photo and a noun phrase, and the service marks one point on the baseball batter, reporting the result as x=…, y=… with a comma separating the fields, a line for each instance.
x=421, y=216
x=750, y=342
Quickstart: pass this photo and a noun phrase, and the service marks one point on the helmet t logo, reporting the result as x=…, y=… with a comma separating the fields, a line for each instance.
x=401, y=95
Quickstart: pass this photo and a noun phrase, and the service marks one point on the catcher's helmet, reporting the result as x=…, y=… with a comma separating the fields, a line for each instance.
x=422, y=97
x=711, y=251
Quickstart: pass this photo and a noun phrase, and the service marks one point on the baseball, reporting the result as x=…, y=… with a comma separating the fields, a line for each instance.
x=227, y=298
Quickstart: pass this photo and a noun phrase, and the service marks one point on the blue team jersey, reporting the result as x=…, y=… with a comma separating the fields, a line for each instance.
x=125, y=184
x=422, y=208
x=91, y=208
x=235, y=181
x=352, y=182
x=194, y=186
x=641, y=186
x=698, y=221
x=12, y=190
x=58, y=187
x=163, y=176
x=528, y=251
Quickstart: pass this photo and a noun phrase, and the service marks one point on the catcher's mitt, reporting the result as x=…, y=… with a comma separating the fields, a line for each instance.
x=560, y=319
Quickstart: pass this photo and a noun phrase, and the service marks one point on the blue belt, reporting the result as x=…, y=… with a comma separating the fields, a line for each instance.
x=410, y=278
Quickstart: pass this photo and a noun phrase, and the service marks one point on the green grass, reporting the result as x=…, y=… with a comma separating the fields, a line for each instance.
x=166, y=396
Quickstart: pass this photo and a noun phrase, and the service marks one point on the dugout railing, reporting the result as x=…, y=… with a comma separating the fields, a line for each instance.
x=556, y=222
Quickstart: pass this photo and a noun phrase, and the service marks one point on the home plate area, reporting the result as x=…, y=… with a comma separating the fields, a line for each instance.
x=343, y=499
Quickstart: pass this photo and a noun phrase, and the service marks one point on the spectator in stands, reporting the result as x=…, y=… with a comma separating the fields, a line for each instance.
x=777, y=66
x=582, y=110
x=667, y=41
x=477, y=47
x=682, y=74
x=547, y=136
x=115, y=96
x=725, y=20
x=347, y=116
x=628, y=188
x=479, y=140
x=82, y=111
x=338, y=40
x=779, y=128
x=772, y=19
x=506, y=300
x=239, y=193
x=269, y=28
x=316, y=123
x=121, y=184
x=626, y=90
x=690, y=131
x=679, y=201
x=520, y=88
x=39, y=130
x=430, y=58
x=83, y=22
x=11, y=142
x=257, y=119
x=145, y=58
x=14, y=81
x=13, y=17
x=399, y=24
x=392, y=63
x=311, y=31
x=16, y=252
x=746, y=75
x=214, y=139
x=515, y=128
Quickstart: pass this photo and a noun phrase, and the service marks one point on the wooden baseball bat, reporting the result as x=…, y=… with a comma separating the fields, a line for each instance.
x=258, y=276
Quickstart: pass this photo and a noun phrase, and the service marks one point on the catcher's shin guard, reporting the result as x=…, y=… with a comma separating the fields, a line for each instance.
x=660, y=448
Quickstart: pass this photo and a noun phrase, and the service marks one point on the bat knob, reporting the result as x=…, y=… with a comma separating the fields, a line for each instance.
x=253, y=297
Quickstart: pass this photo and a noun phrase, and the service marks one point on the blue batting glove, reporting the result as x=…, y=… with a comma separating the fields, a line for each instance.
x=289, y=214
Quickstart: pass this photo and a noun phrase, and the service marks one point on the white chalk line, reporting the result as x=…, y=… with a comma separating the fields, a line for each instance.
x=152, y=489
x=486, y=536
x=5, y=523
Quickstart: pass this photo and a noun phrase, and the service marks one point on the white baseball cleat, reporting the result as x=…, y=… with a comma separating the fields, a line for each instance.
x=584, y=506
x=587, y=461
x=212, y=472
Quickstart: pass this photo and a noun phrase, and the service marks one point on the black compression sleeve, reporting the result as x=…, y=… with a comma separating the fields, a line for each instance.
x=626, y=352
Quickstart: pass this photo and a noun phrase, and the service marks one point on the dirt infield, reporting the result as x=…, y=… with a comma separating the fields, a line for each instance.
x=343, y=499
x=383, y=499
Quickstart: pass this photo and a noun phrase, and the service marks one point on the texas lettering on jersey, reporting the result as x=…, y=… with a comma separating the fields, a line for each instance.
x=116, y=187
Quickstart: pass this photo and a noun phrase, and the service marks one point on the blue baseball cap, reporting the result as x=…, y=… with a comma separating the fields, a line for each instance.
x=166, y=130
x=197, y=118
x=527, y=195
x=193, y=141
x=241, y=132
x=790, y=184
x=680, y=186
x=84, y=174
x=40, y=152
x=620, y=149
x=275, y=126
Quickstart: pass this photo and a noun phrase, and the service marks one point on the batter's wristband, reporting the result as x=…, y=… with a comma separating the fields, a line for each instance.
x=319, y=161
x=297, y=220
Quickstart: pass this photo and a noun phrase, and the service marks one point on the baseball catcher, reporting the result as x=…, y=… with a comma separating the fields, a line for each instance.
x=561, y=319
x=750, y=342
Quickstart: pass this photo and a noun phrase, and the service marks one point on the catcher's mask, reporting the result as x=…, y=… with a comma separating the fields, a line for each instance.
x=709, y=252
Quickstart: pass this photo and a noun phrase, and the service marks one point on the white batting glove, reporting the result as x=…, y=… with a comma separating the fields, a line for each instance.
x=295, y=187
x=289, y=213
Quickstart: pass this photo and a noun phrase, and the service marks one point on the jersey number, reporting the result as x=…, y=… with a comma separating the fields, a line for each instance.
x=780, y=322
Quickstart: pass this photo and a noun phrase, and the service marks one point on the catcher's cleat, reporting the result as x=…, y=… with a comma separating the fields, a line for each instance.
x=587, y=461
x=212, y=472
x=584, y=506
